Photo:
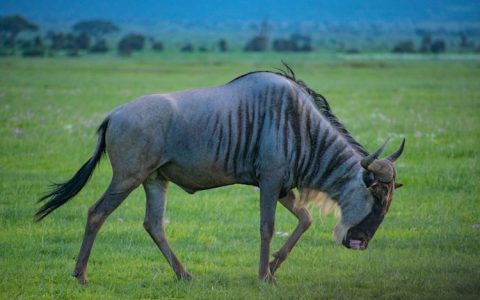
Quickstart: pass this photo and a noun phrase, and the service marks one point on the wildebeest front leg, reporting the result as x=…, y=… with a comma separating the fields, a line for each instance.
x=268, y=202
x=156, y=191
x=304, y=221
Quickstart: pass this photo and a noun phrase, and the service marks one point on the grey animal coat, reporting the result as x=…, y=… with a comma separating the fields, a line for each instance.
x=259, y=124
x=263, y=129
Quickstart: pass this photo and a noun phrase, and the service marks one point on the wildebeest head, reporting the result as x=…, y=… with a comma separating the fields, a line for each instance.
x=379, y=178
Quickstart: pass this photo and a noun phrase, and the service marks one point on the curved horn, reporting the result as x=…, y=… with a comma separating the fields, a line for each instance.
x=369, y=159
x=397, y=153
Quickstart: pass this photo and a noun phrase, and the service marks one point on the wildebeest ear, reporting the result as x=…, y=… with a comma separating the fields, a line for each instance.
x=398, y=185
x=368, y=178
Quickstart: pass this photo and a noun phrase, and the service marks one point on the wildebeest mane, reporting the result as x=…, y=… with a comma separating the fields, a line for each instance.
x=320, y=102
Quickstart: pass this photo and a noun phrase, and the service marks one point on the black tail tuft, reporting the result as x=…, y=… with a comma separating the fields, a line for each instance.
x=62, y=192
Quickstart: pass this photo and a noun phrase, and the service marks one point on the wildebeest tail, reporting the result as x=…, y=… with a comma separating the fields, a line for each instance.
x=62, y=192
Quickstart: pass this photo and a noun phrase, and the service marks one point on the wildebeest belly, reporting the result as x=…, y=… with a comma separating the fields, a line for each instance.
x=193, y=178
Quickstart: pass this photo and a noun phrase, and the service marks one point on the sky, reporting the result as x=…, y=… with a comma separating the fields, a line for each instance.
x=225, y=10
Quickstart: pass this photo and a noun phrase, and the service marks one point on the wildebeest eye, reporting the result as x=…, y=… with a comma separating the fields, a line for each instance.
x=368, y=178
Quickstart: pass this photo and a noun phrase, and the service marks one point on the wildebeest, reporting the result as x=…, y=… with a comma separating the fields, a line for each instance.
x=265, y=129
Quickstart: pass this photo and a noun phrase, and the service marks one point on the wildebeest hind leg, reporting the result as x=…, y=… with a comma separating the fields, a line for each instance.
x=156, y=192
x=304, y=221
x=97, y=214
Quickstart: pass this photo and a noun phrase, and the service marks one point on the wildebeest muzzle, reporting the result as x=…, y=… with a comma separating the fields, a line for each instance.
x=358, y=236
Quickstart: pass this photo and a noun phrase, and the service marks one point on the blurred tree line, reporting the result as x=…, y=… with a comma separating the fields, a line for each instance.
x=102, y=36
x=427, y=45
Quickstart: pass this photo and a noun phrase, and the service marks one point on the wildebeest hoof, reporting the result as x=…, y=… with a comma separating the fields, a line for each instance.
x=184, y=276
x=270, y=279
x=81, y=278
x=273, y=265
x=276, y=262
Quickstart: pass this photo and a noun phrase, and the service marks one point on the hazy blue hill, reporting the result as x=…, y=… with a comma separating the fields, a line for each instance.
x=220, y=10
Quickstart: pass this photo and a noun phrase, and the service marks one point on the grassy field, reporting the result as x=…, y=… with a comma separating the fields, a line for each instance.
x=427, y=248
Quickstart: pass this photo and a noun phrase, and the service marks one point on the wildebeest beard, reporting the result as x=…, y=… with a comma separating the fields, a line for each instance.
x=359, y=235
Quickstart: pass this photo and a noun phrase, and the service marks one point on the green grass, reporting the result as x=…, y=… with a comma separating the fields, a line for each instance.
x=425, y=249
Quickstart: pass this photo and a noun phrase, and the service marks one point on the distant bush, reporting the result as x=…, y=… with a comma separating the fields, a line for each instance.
x=257, y=44
x=222, y=45
x=5, y=52
x=187, y=48
x=303, y=43
x=73, y=52
x=8, y=42
x=404, y=47
x=88, y=29
x=438, y=46
x=426, y=43
x=465, y=43
x=130, y=43
x=33, y=53
x=99, y=46
x=12, y=26
x=157, y=46
x=82, y=41
x=33, y=48
x=296, y=43
x=24, y=43
x=352, y=51
x=68, y=41
x=283, y=45
x=57, y=40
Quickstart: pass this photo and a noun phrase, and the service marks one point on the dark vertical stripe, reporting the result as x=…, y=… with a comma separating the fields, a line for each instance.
x=301, y=169
x=283, y=120
x=313, y=164
x=338, y=182
x=261, y=116
x=335, y=164
x=239, y=141
x=217, y=136
x=297, y=132
x=320, y=150
x=308, y=126
x=277, y=103
x=248, y=131
x=329, y=141
x=229, y=141
x=327, y=153
x=308, y=145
